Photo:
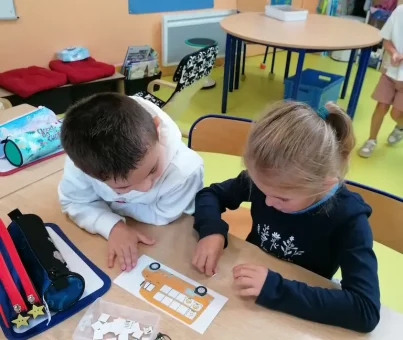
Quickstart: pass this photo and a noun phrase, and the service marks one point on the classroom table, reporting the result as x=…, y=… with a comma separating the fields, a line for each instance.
x=239, y=319
x=318, y=33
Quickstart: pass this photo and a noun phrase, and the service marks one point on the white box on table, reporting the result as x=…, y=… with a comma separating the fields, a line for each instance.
x=286, y=13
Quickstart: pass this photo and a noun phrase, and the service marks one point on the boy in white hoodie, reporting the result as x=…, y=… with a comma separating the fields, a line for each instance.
x=125, y=158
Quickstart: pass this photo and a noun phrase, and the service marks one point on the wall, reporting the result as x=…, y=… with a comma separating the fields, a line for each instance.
x=104, y=26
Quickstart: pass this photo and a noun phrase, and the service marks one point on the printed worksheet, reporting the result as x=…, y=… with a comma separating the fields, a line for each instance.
x=173, y=293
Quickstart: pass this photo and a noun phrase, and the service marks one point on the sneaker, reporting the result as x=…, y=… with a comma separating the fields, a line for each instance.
x=395, y=136
x=368, y=148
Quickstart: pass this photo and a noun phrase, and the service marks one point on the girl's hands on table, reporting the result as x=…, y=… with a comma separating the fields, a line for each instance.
x=249, y=279
x=207, y=253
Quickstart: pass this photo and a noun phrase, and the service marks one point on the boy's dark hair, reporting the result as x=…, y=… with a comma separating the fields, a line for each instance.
x=107, y=135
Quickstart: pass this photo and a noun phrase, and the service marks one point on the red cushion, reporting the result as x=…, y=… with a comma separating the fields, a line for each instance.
x=27, y=81
x=83, y=70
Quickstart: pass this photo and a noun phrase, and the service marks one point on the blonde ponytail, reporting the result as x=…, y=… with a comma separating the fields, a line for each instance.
x=293, y=146
x=343, y=127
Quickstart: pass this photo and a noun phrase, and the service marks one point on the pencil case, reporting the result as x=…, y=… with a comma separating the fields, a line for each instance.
x=59, y=287
x=28, y=122
x=19, y=300
x=29, y=146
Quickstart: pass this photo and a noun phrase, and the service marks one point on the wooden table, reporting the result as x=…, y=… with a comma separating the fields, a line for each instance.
x=239, y=319
x=317, y=34
x=14, y=182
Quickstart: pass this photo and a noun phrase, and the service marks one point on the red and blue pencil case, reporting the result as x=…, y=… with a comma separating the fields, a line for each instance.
x=37, y=288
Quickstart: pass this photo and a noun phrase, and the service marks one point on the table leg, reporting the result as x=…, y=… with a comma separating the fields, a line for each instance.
x=265, y=55
x=227, y=68
x=234, y=42
x=359, y=79
x=297, y=78
x=287, y=65
x=348, y=73
x=238, y=63
x=243, y=58
x=273, y=60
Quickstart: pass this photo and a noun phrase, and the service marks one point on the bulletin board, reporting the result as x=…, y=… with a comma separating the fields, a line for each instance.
x=154, y=6
x=7, y=10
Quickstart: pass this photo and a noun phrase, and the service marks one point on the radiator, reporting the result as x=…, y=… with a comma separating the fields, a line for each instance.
x=177, y=28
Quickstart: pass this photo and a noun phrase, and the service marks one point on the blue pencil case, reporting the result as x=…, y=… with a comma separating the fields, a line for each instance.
x=32, y=121
x=59, y=287
x=26, y=147
x=45, y=253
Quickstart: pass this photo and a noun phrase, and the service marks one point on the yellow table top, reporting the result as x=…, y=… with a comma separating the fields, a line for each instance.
x=318, y=32
x=239, y=319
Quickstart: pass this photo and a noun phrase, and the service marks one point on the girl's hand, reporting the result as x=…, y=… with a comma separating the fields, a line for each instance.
x=207, y=254
x=249, y=279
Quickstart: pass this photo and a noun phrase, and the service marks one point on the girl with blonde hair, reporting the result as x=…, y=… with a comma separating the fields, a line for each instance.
x=302, y=212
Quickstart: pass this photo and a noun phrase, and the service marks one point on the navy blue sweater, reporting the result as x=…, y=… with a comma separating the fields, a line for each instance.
x=332, y=235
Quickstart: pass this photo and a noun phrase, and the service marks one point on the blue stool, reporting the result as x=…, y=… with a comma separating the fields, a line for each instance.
x=199, y=43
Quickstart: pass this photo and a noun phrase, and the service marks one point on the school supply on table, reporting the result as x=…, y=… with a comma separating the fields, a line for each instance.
x=27, y=139
x=286, y=13
x=140, y=62
x=44, y=277
x=59, y=287
x=75, y=53
x=29, y=146
x=173, y=293
x=106, y=320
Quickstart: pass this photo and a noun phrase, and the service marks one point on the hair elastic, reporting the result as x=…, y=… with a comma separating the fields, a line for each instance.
x=323, y=112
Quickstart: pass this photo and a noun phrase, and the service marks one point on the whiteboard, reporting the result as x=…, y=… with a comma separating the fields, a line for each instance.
x=7, y=10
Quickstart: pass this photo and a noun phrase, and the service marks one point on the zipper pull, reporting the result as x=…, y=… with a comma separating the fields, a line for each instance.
x=13, y=294
x=35, y=310
x=19, y=320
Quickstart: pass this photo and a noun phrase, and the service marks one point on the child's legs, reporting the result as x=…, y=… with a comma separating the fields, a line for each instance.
x=397, y=110
x=384, y=94
x=377, y=119
x=397, y=116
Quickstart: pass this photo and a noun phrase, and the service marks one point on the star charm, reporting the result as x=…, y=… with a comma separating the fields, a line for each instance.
x=36, y=311
x=21, y=321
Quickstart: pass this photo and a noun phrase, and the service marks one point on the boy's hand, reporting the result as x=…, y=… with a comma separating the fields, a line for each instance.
x=208, y=251
x=249, y=279
x=122, y=243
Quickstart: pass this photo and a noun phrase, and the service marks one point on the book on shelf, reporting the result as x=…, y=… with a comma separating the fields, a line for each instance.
x=140, y=62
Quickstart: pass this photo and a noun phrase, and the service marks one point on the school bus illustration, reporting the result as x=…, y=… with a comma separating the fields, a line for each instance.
x=174, y=295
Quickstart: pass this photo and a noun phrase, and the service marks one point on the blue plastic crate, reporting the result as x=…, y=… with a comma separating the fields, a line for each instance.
x=316, y=88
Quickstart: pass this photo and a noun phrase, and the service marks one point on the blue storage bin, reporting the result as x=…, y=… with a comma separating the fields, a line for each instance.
x=316, y=88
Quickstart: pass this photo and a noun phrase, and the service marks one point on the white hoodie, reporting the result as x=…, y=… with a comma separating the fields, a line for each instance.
x=94, y=206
